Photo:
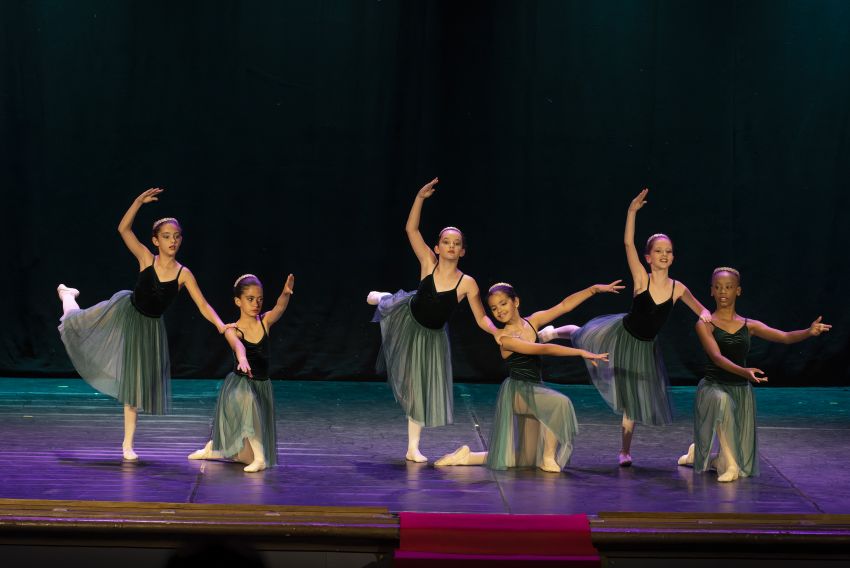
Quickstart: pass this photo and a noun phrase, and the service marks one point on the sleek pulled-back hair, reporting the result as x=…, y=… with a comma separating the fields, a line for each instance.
x=504, y=288
x=243, y=282
x=159, y=223
x=651, y=241
x=458, y=231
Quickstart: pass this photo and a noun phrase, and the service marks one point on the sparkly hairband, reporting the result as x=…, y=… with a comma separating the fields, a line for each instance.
x=726, y=269
x=657, y=236
x=497, y=284
x=450, y=229
x=164, y=220
x=243, y=277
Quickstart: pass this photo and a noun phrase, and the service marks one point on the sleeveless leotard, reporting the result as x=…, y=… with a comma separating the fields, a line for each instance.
x=257, y=355
x=733, y=346
x=646, y=318
x=430, y=308
x=150, y=296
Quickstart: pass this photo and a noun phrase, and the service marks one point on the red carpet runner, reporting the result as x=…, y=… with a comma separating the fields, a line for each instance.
x=495, y=540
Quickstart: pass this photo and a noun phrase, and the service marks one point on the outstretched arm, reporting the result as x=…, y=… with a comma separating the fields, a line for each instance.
x=713, y=351
x=125, y=227
x=571, y=302
x=195, y=292
x=759, y=329
x=639, y=275
x=420, y=248
x=473, y=296
x=695, y=304
x=517, y=345
x=274, y=314
x=238, y=350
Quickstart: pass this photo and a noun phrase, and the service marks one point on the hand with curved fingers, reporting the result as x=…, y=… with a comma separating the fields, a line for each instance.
x=289, y=287
x=639, y=201
x=428, y=189
x=228, y=326
x=705, y=316
x=149, y=195
x=752, y=373
x=547, y=334
x=594, y=357
x=614, y=287
x=817, y=327
x=242, y=365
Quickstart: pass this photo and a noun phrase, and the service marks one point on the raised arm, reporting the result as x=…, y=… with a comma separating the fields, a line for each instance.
x=639, y=275
x=274, y=314
x=125, y=227
x=473, y=296
x=694, y=304
x=759, y=329
x=571, y=302
x=188, y=280
x=711, y=349
x=423, y=252
x=238, y=350
x=517, y=345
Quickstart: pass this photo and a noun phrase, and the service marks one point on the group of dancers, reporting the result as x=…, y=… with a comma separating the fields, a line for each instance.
x=119, y=347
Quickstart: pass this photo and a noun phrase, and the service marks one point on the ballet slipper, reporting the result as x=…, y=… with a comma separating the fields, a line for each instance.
x=457, y=457
x=62, y=289
x=547, y=334
x=731, y=474
x=202, y=454
x=415, y=456
x=718, y=463
x=625, y=460
x=129, y=455
x=374, y=298
x=550, y=465
x=255, y=466
x=688, y=458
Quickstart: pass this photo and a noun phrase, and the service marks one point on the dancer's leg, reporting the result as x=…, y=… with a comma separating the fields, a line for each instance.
x=374, y=297
x=462, y=456
x=131, y=416
x=625, y=456
x=259, y=463
x=414, y=432
x=68, y=296
x=206, y=453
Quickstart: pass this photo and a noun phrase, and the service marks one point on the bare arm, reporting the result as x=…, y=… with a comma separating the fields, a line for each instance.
x=517, y=345
x=238, y=350
x=639, y=275
x=694, y=304
x=473, y=296
x=274, y=314
x=422, y=251
x=711, y=349
x=195, y=292
x=759, y=329
x=125, y=227
x=571, y=302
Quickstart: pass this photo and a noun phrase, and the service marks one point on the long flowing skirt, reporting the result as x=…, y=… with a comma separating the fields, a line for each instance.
x=245, y=409
x=523, y=410
x=731, y=410
x=634, y=382
x=120, y=352
x=417, y=361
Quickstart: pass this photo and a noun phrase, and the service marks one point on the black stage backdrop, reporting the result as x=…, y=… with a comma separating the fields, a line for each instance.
x=292, y=137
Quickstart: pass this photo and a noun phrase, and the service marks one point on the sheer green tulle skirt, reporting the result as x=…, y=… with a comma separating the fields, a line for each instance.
x=244, y=409
x=120, y=352
x=634, y=382
x=727, y=411
x=417, y=361
x=523, y=410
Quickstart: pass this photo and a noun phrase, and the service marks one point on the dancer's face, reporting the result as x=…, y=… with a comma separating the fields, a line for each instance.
x=661, y=254
x=168, y=239
x=502, y=306
x=450, y=246
x=725, y=289
x=251, y=301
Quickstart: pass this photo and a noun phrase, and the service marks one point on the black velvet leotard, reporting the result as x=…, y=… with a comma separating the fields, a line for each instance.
x=150, y=296
x=733, y=346
x=522, y=367
x=430, y=308
x=646, y=318
x=257, y=355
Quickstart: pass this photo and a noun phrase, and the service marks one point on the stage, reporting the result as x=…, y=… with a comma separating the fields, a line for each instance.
x=343, y=479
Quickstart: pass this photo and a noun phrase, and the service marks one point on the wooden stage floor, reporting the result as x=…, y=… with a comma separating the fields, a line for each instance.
x=342, y=444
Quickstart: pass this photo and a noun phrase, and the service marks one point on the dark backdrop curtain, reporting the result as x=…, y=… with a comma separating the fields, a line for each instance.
x=292, y=137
